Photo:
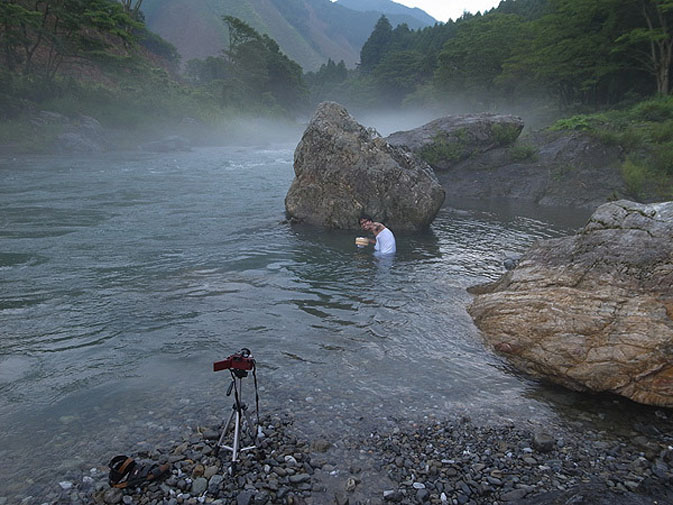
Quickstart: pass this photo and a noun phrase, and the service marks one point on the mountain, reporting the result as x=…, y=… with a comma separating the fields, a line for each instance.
x=308, y=31
x=388, y=8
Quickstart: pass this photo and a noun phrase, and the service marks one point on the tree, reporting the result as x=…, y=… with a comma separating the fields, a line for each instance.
x=398, y=74
x=260, y=72
x=651, y=46
x=377, y=45
x=132, y=9
x=15, y=21
x=472, y=61
x=570, y=51
x=54, y=31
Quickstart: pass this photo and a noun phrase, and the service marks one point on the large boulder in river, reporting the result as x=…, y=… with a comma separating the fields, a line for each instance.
x=344, y=169
x=593, y=311
x=451, y=139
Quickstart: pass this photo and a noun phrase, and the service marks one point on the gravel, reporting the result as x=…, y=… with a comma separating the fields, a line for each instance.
x=443, y=462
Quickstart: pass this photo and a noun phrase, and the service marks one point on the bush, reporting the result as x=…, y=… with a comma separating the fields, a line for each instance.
x=635, y=175
x=662, y=132
x=505, y=134
x=442, y=150
x=663, y=158
x=628, y=139
x=572, y=123
x=523, y=152
x=658, y=109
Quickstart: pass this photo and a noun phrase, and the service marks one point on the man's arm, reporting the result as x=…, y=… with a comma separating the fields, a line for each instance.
x=377, y=227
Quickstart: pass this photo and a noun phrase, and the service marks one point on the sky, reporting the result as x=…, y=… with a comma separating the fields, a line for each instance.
x=442, y=10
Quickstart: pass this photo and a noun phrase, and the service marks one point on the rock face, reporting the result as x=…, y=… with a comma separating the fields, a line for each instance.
x=343, y=170
x=446, y=141
x=592, y=311
x=548, y=168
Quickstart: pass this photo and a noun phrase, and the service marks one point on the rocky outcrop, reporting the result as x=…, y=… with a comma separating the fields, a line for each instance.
x=168, y=144
x=449, y=140
x=572, y=169
x=79, y=134
x=593, y=311
x=343, y=170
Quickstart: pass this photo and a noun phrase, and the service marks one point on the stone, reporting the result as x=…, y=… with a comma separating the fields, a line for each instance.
x=564, y=168
x=199, y=486
x=592, y=311
x=543, y=442
x=391, y=495
x=422, y=495
x=343, y=170
x=210, y=471
x=214, y=484
x=320, y=445
x=299, y=478
x=450, y=139
x=112, y=496
x=514, y=495
x=244, y=497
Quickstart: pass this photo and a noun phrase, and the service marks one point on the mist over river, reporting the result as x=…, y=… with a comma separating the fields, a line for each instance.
x=123, y=277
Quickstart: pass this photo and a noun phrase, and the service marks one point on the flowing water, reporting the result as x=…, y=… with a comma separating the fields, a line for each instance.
x=122, y=278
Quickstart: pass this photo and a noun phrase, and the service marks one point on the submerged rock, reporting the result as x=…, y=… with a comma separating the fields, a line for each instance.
x=593, y=311
x=448, y=140
x=343, y=170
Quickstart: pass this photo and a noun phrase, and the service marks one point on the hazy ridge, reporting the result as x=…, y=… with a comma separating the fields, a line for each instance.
x=308, y=31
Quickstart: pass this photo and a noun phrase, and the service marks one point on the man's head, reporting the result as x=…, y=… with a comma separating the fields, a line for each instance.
x=365, y=222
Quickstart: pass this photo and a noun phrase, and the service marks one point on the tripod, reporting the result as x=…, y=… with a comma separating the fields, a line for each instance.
x=241, y=420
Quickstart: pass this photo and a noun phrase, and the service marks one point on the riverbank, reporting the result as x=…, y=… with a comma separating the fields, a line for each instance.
x=453, y=461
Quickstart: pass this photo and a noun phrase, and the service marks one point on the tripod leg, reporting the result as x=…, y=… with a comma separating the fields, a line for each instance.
x=224, y=433
x=237, y=434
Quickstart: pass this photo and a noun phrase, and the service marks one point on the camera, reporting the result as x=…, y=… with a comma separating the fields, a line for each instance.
x=242, y=360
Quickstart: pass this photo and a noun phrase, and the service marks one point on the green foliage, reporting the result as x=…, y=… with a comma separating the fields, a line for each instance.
x=473, y=59
x=522, y=152
x=257, y=72
x=572, y=123
x=658, y=109
x=39, y=37
x=662, y=132
x=377, y=45
x=441, y=150
x=663, y=158
x=505, y=134
x=629, y=138
x=635, y=175
x=398, y=74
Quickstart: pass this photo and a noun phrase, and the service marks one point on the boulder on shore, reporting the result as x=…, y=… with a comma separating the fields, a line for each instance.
x=593, y=311
x=449, y=140
x=549, y=168
x=344, y=170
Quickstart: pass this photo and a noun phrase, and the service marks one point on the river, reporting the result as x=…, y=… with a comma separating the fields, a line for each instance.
x=123, y=277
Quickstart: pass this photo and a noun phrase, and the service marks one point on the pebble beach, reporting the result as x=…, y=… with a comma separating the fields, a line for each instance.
x=449, y=461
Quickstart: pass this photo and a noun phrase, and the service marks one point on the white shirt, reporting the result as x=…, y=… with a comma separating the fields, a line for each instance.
x=385, y=242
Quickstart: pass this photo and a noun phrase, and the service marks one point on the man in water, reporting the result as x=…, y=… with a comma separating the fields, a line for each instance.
x=385, y=240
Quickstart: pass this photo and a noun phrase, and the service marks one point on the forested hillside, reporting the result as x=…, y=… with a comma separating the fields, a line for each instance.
x=572, y=54
x=73, y=69
x=308, y=31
